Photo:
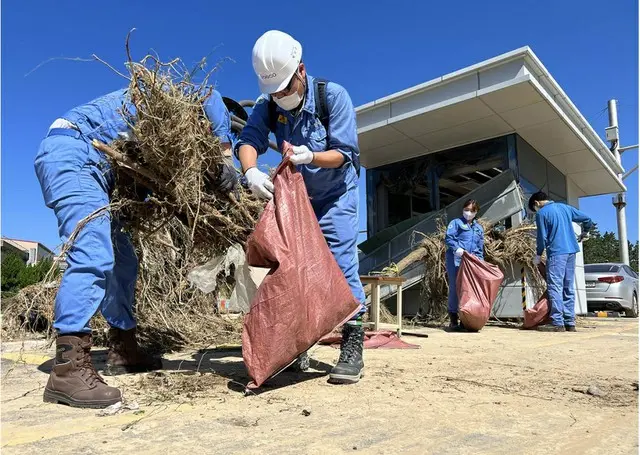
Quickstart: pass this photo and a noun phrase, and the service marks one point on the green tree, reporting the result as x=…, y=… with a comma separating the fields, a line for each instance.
x=12, y=267
x=35, y=273
x=17, y=275
x=606, y=248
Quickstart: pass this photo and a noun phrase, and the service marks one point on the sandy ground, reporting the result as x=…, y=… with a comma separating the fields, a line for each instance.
x=498, y=391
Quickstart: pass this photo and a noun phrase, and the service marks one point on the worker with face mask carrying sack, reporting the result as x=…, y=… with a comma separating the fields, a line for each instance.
x=77, y=181
x=315, y=121
x=463, y=234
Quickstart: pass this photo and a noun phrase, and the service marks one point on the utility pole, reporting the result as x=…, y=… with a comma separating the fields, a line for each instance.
x=619, y=200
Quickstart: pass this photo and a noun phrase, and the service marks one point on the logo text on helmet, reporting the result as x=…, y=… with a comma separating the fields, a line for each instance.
x=268, y=76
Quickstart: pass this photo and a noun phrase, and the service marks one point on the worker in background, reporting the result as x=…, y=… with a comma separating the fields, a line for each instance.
x=463, y=234
x=554, y=223
x=325, y=151
x=76, y=182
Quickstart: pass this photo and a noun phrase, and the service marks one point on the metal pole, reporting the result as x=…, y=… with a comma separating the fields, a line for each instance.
x=628, y=147
x=619, y=201
x=629, y=172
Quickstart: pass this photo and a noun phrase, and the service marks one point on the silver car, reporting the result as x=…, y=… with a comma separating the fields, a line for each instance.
x=612, y=287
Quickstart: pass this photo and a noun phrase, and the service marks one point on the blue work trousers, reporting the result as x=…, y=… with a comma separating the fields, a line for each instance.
x=102, y=265
x=452, y=273
x=561, y=270
x=338, y=221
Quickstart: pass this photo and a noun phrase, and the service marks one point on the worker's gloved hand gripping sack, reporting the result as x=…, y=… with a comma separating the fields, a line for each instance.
x=478, y=284
x=305, y=296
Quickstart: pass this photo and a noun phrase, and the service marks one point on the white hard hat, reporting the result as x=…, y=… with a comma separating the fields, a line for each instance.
x=276, y=57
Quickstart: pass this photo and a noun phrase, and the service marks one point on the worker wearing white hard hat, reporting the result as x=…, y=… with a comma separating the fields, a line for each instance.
x=315, y=120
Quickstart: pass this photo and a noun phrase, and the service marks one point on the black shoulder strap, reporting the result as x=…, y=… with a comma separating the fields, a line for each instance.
x=273, y=116
x=323, y=110
x=322, y=105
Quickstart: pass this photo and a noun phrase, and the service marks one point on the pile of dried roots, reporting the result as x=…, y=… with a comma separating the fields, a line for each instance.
x=167, y=199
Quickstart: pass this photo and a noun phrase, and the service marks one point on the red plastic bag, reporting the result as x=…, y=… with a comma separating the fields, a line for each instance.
x=382, y=339
x=304, y=296
x=477, y=283
x=539, y=314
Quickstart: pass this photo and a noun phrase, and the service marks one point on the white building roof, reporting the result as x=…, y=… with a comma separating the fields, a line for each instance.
x=511, y=93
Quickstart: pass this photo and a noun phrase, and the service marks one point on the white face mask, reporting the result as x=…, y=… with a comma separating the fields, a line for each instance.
x=289, y=102
x=469, y=215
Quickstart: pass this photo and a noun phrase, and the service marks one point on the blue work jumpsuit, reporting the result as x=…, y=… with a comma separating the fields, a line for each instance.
x=76, y=181
x=555, y=233
x=469, y=237
x=333, y=192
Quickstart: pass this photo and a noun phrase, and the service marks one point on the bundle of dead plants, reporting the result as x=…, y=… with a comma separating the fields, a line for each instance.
x=169, y=169
x=506, y=248
x=167, y=198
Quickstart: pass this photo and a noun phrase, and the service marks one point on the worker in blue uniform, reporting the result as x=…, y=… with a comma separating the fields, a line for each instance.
x=77, y=181
x=325, y=151
x=555, y=234
x=463, y=234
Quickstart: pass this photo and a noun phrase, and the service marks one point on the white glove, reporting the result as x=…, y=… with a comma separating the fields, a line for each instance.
x=301, y=155
x=536, y=260
x=459, y=252
x=260, y=184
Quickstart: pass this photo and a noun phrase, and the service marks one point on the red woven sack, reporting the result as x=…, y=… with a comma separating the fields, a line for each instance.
x=478, y=284
x=539, y=314
x=305, y=295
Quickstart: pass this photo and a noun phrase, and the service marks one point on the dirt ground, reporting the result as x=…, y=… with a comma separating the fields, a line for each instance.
x=498, y=391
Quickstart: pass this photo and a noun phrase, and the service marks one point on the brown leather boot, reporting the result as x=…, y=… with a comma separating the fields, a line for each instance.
x=74, y=380
x=124, y=355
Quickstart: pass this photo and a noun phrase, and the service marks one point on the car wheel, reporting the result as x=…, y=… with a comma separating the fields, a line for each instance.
x=633, y=312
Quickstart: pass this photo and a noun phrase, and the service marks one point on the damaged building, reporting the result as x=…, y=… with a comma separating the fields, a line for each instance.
x=490, y=132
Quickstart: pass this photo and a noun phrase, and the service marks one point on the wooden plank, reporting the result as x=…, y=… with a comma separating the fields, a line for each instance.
x=382, y=280
x=399, y=306
x=375, y=305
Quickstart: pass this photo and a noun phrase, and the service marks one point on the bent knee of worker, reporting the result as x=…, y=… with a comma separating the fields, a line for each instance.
x=92, y=248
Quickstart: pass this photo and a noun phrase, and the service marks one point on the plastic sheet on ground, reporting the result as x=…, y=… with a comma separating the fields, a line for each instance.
x=305, y=296
x=381, y=339
x=478, y=284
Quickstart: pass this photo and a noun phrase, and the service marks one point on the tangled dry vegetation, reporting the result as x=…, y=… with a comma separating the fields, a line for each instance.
x=166, y=197
x=503, y=248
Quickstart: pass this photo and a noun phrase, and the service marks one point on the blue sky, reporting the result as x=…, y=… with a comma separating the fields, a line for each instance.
x=590, y=47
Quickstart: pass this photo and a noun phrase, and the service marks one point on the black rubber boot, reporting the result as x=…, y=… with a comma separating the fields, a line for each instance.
x=454, y=324
x=453, y=320
x=350, y=366
x=301, y=364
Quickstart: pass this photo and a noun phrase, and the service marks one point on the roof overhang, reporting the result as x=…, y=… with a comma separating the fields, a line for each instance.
x=511, y=93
